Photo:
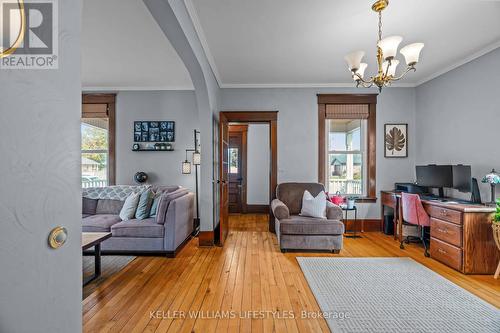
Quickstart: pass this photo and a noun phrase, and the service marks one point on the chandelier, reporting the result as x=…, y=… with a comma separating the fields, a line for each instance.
x=387, y=49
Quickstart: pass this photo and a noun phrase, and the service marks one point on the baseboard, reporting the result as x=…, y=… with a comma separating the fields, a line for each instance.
x=368, y=224
x=206, y=238
x=256, y=209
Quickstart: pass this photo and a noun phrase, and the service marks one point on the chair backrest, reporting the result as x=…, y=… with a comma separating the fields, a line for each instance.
x=413, y=210
x=291, y=194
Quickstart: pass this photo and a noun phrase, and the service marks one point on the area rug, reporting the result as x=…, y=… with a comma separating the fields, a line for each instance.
x=110, y=265
x=393, y=295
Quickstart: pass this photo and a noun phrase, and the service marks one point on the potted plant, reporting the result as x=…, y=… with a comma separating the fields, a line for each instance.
x=350, y=202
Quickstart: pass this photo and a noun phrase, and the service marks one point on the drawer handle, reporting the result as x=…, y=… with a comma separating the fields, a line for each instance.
x=444, y=213
x=444, y=231
x=442, y=251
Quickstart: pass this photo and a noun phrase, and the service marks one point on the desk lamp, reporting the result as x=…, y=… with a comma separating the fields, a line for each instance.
x=493, y=178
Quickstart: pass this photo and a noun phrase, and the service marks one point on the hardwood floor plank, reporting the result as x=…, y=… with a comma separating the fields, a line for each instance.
x=248, y=274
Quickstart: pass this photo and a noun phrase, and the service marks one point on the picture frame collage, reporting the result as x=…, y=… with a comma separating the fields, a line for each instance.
x=154, y=131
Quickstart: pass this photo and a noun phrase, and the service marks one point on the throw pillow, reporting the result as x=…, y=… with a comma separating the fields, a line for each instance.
x=314, y=206
x=144, y=205
x=154, y=205
x=129, y=206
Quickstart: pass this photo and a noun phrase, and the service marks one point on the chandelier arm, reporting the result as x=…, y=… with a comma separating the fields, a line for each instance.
x=359, y=78
x=408, y=69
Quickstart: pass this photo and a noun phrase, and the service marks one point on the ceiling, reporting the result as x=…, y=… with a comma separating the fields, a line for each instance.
x=263, y=43
x=123, y=48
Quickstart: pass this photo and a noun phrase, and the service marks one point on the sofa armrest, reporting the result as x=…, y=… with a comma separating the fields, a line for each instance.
x=333, y=212
x=280, y=210
x=179, y=222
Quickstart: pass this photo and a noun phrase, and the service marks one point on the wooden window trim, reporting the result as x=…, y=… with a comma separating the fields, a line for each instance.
x=371, y=100
x=110, y=101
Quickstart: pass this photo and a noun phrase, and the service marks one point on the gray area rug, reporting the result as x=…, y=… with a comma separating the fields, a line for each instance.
x=393, y=295
x=110, y=265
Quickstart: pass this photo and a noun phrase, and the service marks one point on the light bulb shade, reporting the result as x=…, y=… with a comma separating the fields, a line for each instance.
x=186, y=167
x=411, y=53
x=354, y=60
x=196, y=158
x=389, y=46
x=392, y=68
x=360, y=71
x=492, y=178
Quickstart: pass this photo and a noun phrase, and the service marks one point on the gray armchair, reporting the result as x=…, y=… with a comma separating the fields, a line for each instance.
x=297, y=232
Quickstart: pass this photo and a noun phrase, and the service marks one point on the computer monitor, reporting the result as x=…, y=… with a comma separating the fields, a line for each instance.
x=435, y=176
x=462, y=178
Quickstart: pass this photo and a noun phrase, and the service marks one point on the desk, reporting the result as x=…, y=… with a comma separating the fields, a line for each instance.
x=461, y=234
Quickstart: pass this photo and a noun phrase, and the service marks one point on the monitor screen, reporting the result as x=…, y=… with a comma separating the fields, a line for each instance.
x=436, y=176
x=462, y=178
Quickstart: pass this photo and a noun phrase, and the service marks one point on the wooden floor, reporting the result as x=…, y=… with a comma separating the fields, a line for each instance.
x=110, y=266
x=249, y=273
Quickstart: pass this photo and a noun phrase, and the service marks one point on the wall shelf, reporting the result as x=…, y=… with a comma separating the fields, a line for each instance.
x=161, y=150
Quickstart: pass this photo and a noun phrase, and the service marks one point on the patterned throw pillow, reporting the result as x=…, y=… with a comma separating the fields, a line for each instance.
x=314, y=206
x=129, y=207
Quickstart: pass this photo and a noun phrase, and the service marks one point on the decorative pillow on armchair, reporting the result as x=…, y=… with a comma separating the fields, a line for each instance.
x=314, y=206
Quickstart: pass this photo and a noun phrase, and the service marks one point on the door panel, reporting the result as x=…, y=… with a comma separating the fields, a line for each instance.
x=235, y=172
x=223, y=178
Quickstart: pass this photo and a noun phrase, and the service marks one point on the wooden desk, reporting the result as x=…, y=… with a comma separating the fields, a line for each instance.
x=461, y=234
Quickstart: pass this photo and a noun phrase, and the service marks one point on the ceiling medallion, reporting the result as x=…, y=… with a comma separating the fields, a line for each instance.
x=387, y=49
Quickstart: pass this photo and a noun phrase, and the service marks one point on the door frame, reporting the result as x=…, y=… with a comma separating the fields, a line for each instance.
x=263, y=117
x=243, y=129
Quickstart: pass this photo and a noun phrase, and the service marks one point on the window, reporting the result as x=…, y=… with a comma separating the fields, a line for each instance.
x=233, y=160
x=95, y=152
x=347, y=157
x=98, y=140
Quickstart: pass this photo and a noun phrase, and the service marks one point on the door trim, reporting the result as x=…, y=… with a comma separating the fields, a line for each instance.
x=265, y=117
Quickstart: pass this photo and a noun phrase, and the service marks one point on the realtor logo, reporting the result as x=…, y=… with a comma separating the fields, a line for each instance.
x=29, y=34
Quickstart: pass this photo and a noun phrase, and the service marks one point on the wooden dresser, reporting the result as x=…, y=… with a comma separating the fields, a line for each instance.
x=461, y=234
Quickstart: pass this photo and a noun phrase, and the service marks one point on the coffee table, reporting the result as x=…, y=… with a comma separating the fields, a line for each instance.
x=94, y=239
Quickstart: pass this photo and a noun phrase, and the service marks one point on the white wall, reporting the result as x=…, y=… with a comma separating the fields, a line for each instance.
x=298, y=131
x=40, y=111
x=161, y=167
x=458, y=117
x=258, y=159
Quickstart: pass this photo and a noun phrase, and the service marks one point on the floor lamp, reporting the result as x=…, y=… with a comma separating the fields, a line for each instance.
x=186, y=169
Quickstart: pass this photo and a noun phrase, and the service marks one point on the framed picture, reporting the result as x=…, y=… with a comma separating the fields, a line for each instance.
x=396, y=140
x=154, y=131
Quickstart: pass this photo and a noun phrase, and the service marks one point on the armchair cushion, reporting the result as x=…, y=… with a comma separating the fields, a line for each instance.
x=291, y=194
x=302, y=225
x=280, y=210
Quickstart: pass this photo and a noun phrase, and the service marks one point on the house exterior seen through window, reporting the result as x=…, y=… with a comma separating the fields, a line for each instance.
x=95, y=152
x=346, y=160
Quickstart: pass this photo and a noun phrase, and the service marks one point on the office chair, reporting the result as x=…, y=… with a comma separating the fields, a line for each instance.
x=414, y=214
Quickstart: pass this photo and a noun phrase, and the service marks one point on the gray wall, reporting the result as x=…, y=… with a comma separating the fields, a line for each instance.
x=258, y=159
x=298, y=131
x=162, y=167
x=40, y=110
x=458, y=115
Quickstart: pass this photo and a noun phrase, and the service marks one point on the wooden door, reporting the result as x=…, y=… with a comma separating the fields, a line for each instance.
x=223, y=178
x=237, y=168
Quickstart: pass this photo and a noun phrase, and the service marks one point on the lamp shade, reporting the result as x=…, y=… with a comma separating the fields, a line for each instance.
x=411, y=53
x=354, y=60
x=389, y=46
x=392, y=67
x=360, y=71
x=186, y=167
x=196, y=158
x=492, y=178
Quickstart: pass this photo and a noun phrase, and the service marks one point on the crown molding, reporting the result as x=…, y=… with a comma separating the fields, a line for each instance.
x=193, y=14
x=461, y=62
x=136, y=88
x=303, y=85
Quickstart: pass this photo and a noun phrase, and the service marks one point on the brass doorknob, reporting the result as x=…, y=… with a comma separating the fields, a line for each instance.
x=57, y=237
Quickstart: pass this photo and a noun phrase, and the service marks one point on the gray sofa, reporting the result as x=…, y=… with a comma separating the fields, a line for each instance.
x=163, y=234
x=297, y=232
